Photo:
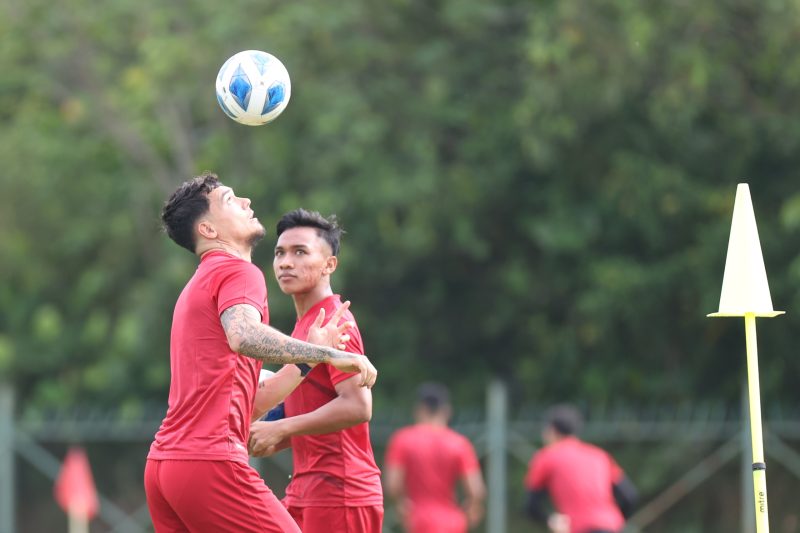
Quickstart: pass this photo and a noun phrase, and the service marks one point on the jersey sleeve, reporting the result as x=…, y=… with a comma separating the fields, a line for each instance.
x=467, y=459
x=240, y=282
x=537, y=476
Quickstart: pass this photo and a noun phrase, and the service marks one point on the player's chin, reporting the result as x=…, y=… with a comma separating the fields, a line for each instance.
x=257, y=234
x=292, y=285
x=285, y=286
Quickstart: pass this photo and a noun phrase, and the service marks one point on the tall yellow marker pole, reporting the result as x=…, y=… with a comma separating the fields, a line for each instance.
x=745, y=293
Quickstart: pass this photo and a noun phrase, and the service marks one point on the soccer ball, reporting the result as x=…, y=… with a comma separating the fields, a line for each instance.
x=253, y=87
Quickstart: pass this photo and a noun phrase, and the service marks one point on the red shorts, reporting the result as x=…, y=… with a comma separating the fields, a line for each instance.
x=338, y=519
x=212, y=496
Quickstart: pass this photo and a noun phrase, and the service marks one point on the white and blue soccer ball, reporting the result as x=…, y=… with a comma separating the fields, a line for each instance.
x=253, y=87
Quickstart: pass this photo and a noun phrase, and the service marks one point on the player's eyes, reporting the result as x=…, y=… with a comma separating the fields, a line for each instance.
x=300, y=252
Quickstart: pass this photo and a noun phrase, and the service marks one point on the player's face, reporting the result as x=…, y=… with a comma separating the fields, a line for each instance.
x=302, y=260
x=232, y=217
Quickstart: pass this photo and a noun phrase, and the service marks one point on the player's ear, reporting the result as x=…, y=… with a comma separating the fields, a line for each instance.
x=206, y=229
x=330, y=265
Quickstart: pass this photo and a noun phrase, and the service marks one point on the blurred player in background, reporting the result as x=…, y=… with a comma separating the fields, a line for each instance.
x=586, y=486
x=424, y=464
x=197, y=477
x=336, y=484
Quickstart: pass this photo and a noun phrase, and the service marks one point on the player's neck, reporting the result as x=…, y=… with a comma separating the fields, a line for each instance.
x=242, y=252
x=306, y=300
x=437, y=421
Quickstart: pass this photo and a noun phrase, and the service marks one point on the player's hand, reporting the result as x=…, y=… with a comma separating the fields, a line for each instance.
x=474, y=512
x=558, y=523
x=266, y=438
x=353, y=362
x=333, y=334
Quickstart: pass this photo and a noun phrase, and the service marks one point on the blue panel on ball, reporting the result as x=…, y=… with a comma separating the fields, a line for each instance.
x=240, y=87
x=225, y=107
x=275, y=96
x=260, y=61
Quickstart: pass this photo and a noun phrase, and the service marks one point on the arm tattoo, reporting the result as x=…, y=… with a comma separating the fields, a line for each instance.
x=242, y=325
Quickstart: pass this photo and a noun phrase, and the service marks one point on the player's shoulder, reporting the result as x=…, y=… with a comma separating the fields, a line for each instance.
x=546, y=452
x=334, y=302
x=588, y=447
x=459, y=440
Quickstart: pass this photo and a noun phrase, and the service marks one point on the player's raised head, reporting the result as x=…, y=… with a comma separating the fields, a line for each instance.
x=185, y=207
x=327, y=227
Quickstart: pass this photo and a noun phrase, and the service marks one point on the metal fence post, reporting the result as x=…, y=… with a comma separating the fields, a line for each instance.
x=497, y=444
x=6, y=458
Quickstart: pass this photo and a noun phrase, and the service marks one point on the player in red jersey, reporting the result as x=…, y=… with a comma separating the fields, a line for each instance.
x=588, y=489
x=197, y=476
x=335, y=483
x=425, y=462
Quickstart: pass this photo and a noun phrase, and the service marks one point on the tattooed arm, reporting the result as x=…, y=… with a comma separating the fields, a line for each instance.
x=248, y=336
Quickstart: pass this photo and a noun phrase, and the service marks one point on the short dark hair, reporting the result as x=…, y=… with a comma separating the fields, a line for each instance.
x=433, y=396
x=565, y=419
x=185, y=206
x=327, y=228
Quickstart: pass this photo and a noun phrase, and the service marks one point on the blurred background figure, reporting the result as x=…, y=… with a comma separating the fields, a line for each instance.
x=586, y=486
x=424, y=464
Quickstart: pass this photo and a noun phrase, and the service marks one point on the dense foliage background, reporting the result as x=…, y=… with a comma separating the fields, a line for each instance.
x=539, y=191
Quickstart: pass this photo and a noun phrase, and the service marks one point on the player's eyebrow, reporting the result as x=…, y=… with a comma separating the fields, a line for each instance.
x=292, y=247
x=225, y=194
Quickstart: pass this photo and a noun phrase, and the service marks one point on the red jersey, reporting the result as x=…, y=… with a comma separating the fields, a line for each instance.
x=334, y=469
x=433, y=458
x=579, y=478
x=212, y=387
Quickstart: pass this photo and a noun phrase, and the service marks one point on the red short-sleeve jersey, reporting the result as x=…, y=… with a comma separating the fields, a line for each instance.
x=433, y=459
x=579, y=478
x=334, y=469
x=212, y=387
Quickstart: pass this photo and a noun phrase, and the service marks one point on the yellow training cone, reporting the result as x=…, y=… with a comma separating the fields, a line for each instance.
x=744, y=286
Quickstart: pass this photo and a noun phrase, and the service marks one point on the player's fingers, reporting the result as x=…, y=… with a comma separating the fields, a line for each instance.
x=337, y=316
x=344, y=337
x=362, y=371
x=252, y=448
x=320, y=318
x=369, y=373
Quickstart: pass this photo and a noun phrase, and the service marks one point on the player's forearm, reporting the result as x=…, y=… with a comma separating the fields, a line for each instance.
x=260, y=341
x=274, y=389
x=248, y=336
x=339, y=413
x=394, y=480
